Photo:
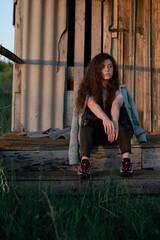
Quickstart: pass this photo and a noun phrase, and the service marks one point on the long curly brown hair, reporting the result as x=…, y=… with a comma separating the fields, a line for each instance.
x=92, y=82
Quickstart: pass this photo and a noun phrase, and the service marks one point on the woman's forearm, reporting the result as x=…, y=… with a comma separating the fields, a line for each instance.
x=115, y=109
x=96, y=109
x=115, y=112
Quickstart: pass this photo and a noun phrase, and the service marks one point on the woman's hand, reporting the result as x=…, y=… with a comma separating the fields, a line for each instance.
x=113, y=136
x=116, y=129
x=109, y=128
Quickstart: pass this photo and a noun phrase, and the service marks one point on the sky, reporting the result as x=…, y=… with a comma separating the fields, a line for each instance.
x=6, y=26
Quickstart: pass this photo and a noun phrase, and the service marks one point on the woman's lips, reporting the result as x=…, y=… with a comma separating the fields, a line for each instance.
x=106, y=75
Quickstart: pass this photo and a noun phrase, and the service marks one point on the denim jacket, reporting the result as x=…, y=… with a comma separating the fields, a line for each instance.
x=140, y=134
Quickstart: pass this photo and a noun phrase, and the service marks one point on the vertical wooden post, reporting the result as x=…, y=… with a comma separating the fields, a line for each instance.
x=121, y=55
x=155, y=64
x=79, y=44
x=126, y=42
x=143, y=65
x=158, y=61
x=132, y=46
x=96, y=28
x=78, y=75
x=147, y=52
x=79, y=32
x=17, y=69
x=107, y=21
x=68, y=101
x=140, y=51
x=115, y=20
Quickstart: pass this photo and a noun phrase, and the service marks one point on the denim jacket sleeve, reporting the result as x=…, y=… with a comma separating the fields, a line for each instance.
x=73, y=152
x=133, y=114
x=74, y=143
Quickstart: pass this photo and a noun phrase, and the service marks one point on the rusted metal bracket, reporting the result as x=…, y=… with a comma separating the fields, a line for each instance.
x=114, y=31
x=119, y=30
x=5, y=52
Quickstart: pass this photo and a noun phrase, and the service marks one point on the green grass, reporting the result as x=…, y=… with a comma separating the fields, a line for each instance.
x=95, y=214
x=6, y=72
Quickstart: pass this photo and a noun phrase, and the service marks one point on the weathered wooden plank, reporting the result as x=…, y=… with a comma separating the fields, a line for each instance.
x=17, y=68
x=129, y=74
x=107, y=21
x=149, y=186
x=143, y=182
x=19, y=21
x=155, y=64
x=70, y=175
x=102, y=158
x=110, y=158
x=10, y=55
x=78, y=76
x=16, y=112
x=79, y=32
x=151, y=158
x=147, y=107
x=142, y=84
x=126, y=42
x=36, y=160
x=62, y=35
x=96, y=28
x=158, y=60
x=69, y=108
x=121, y=55
x=13, y=142
x=115, y=25
x=68, y=99
x=16, y=98
x=59, y=99
x=140, y=51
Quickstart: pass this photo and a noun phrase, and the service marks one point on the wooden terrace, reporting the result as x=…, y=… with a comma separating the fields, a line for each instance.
x=45, y=160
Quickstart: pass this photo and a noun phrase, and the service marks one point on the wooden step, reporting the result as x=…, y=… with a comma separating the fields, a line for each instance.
x=26, y=154
x=102, y=158
x=142, y=182
x=43, y=162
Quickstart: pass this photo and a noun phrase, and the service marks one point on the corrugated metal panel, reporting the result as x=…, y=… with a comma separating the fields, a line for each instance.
x=42, y=91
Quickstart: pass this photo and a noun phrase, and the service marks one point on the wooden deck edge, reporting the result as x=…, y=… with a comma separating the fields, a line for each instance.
x=142, y=182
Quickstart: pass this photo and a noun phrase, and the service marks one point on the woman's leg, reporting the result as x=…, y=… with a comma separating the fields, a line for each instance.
x=91, y=128
x=91, y=131
x=125, y=133
x=87, y=127
x=124, y=140
x=86, y=141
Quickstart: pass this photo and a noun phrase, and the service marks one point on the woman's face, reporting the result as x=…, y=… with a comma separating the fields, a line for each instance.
x=107, y=70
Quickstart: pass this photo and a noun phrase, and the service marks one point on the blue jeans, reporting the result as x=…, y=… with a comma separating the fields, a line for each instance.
x=92, y=132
